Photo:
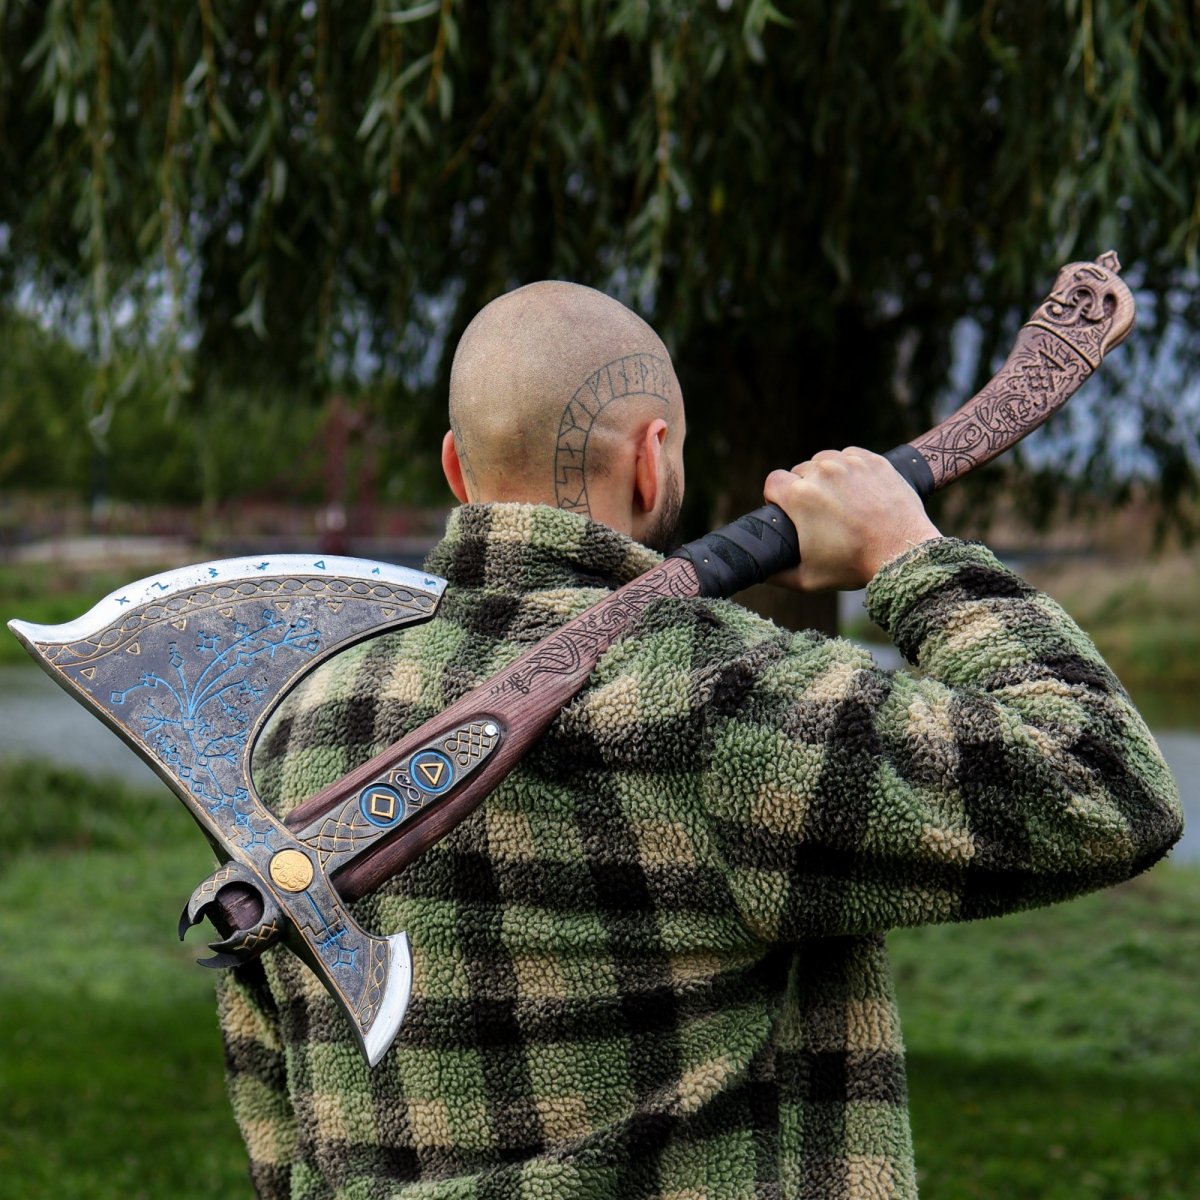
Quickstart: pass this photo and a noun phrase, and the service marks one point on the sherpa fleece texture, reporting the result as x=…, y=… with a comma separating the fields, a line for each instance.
x=652, y=963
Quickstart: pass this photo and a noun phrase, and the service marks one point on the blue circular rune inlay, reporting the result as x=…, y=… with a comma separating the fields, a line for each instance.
x=431, y=772
x=381, y=805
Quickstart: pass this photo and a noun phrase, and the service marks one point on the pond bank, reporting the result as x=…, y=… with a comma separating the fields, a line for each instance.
x=39, y=720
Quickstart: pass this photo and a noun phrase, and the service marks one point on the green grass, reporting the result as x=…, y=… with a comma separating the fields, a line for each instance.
x=1055, y=1053
x=110, y=1058
x=1011, y=1130
x=1052, y=1055
x=49, y=594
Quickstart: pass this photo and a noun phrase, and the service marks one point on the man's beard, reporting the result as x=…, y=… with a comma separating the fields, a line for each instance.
x=663, y=534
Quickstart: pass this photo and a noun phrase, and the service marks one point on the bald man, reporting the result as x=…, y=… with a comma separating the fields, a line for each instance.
x=651, y=965
x=612, y=450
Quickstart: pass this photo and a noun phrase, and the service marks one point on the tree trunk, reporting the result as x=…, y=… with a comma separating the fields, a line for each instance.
x=847, y=371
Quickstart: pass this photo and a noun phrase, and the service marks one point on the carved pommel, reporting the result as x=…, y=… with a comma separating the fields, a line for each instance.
x=1088, y=312
x=1090, y=308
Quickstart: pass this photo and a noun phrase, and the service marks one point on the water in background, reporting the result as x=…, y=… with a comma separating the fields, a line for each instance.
x=39, y=720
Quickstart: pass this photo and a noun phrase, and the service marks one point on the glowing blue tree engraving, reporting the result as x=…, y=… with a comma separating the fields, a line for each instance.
x=199, y=727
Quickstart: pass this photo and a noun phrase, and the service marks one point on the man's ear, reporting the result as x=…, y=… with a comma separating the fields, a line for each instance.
x=649, y=466
x=452, y=468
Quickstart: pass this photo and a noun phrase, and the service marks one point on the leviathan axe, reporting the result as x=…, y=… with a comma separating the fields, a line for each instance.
x=187, y=667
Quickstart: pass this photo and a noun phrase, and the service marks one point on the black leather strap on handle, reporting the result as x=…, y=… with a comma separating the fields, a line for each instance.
x=756, y=546
x=913, y=467
x=744, y=553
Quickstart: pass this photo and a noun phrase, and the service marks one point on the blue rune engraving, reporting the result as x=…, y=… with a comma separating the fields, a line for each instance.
x=198, y=713
x=320, y=564
x=331, y=945
x=122, y=599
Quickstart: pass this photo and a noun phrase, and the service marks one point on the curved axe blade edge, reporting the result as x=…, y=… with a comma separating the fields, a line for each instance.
x=187, y=667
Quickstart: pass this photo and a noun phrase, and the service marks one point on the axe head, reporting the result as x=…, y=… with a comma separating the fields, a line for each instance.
x=187, y=667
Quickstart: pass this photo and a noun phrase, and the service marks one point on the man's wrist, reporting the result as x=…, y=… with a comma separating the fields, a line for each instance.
x=898, y=547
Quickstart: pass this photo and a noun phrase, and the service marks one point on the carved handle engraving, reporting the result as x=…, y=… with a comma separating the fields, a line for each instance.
x=1089, y=311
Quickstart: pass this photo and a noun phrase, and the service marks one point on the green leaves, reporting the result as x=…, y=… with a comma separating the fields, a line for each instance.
x=752, y=175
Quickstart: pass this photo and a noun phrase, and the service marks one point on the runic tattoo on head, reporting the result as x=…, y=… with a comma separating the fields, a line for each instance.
x=633, y=375
x=460, y=444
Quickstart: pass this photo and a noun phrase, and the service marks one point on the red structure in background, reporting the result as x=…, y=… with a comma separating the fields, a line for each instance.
x=351, y=520
x=338, y=524
x=326, y=498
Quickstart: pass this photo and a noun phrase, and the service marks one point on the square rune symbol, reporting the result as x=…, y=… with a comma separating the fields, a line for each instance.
x=382, y=805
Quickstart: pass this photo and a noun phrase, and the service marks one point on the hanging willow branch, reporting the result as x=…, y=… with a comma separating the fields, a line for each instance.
x=100, y=400
x=311, y=188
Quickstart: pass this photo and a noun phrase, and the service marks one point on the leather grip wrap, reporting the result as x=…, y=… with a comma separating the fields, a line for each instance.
x=744, y=553
x=912, y=466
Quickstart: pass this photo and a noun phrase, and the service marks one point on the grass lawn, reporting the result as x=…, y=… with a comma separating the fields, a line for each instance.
x=1052, y=1055
x=1055, y=1054
x=110, y=1059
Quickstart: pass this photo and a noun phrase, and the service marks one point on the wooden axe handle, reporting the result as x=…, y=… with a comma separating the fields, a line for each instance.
x=1089, y=311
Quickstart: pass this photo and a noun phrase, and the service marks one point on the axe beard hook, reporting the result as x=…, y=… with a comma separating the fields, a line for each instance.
x=231, y=889
x=187, y=667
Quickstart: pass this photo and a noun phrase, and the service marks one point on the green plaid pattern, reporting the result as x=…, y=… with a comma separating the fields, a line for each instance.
x=652, y=963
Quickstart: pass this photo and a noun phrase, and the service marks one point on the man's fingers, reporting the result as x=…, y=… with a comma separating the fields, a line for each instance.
x=852, y=512
x=780, y=482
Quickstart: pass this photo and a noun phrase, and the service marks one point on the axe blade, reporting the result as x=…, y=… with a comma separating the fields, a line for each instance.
x=187, y=667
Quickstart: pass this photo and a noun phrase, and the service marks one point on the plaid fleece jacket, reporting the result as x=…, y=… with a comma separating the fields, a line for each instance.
x=652, y=963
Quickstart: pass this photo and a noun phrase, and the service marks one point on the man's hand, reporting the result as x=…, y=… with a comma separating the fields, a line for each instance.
x=853, y=512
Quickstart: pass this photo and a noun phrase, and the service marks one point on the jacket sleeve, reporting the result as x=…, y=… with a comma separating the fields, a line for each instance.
x=1014, y=771
x=256, y=1078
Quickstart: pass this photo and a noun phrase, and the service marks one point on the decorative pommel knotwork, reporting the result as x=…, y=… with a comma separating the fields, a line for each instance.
x=1089, y=307
x=1088, y=312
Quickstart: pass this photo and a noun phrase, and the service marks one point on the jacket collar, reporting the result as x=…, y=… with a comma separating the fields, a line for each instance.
x=530, y=547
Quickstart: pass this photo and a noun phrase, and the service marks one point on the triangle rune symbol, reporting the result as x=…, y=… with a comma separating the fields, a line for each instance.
x=432, y=772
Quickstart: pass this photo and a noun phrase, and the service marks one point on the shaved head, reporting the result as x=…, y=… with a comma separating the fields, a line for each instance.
x=551, y=386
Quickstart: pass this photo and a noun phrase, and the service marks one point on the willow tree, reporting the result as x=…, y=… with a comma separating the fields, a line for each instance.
x=806, y=200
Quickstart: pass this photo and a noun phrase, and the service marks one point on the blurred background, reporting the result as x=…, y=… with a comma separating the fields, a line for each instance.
x=238, y=242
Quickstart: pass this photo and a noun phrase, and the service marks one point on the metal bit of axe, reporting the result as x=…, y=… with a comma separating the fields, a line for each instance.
x=187, y=667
